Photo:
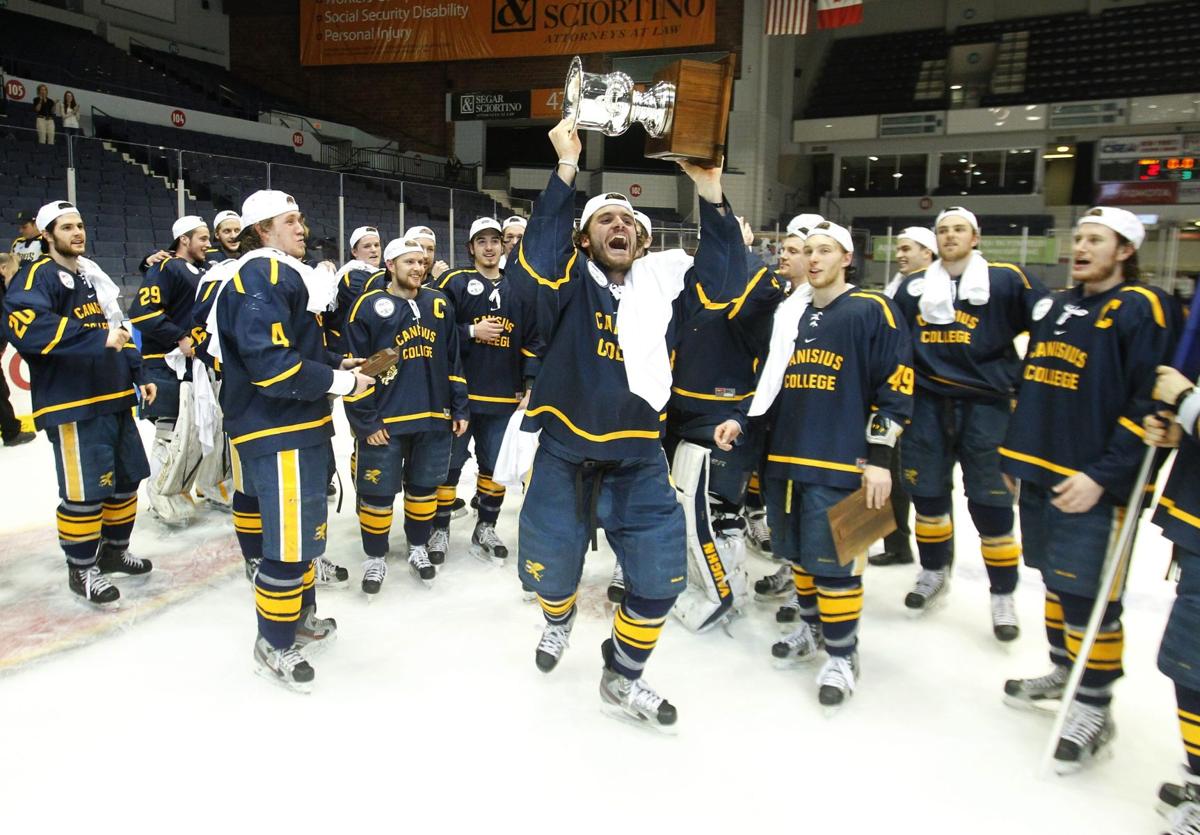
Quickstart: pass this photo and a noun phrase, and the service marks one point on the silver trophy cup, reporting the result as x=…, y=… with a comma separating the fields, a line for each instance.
x=610, y=104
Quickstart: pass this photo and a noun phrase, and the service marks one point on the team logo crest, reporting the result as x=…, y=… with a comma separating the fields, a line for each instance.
x=193, y=268
x=67, y=279
x=384, y=308
x=534, y=569
x=1041, y=309
x=372, y=476
x=910, y=475
x=321, y=531
x=916, y=287
x=475, y=287
x=388, y=375
x=106, y=480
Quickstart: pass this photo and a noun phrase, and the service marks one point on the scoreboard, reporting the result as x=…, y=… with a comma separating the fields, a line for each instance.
x=1148, y=169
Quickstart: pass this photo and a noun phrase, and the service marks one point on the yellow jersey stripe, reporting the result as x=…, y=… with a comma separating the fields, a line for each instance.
x=278, y=378
x=813, y=462
x=741, y=300
x=1015, y=269
x=736, y=398
x=484, y=399
x=279, y=430
x=58, y=407
x=416, y=416
x=1159, y=318
x=358, y=304
x=1038, y=462
x=350, y=398
x=454, y=379
x=552, y=284
x=62, y=326
x=652, y=435
x=891, y=320
x=1180, y=514
x=144, y=317
x=1132, y=427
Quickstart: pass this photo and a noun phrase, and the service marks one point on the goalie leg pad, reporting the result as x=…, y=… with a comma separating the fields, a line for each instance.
x=709, y=595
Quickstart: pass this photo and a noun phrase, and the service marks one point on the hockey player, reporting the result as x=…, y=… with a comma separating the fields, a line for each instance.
x=842, y=354
x=424, y=235
x=916, y=249
x=1179, y=517
x=277, y=375
x=500, y=357
x=227, y=226
x=402, y=425
x=964, y=313
x=365, y=246
x=162, y=312
x=713, y=380
x=792, y=268
x=63, y=316
x=28, y=246
x=512, y=229
x=598, y=400
x=1075, y=442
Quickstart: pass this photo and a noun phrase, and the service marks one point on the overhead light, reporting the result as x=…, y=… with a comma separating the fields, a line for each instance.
x=1033, y=118
x=1153, y=106
x=1031, y=107
x=1058, y=156
x=962, y=159
x=873, y=159
x=1062, y=149
x=955, y=86
x=829, y=126
x=852, y=188
x=897, y=175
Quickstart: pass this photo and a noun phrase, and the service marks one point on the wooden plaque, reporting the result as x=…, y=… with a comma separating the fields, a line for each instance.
x=703, y=95
x=855, y=528
x=379, y=362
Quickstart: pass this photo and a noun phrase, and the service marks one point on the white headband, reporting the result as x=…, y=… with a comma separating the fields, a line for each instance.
x=1124, y=223
x=52, y=212
x=920, y=235
x=958, y=211
x=266, y=204
x=401, y=246
x=515, y=220
x=800, y=225
x=224, y=216
x=602, y=201
x=831, y=230
x=414, y=232
x=362, y=232
x=185, y=225
x=482, y=224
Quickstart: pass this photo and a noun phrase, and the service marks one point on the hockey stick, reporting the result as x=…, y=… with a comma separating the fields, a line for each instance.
x=1187, y=354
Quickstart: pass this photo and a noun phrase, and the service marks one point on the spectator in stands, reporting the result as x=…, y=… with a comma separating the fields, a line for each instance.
x=69, y=110
x=10, y=426
x=44, y=109
x=28, y=245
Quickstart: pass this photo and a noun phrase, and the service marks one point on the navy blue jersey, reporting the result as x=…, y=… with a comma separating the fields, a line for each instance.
x=162, y=308
x=1085, y=386
x=581, y=397
x=1178, y=511
x=974, y=355
x=351, y=285
x=206, y=296
x=719, y=351
x=215, y=255
x=53, y=319
x=28, y=250
x=496, y=371
x=426, y=390
x=275, y=366
x=851, y=358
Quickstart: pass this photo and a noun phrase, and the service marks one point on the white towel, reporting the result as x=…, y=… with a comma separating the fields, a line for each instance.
x=937, y=297
x=356, y=265
x=177, y=362
x=204, y=405
x=651, y=286
x=320, y=282
x=783, y=342
x=893, y=285
x=108, y=294
x=515, y=459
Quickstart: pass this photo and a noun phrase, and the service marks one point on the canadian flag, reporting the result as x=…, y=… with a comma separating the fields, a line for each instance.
x=832, y=14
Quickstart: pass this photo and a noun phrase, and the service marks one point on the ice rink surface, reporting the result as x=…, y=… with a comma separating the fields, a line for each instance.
x=428, y=713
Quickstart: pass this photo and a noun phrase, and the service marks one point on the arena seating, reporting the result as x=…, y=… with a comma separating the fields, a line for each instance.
x=1128, y=51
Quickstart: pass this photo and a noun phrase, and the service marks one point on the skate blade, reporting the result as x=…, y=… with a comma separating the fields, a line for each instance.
x=1065, y=769
x=1044, y=707
x=481, y=555
x=334, y=584
x=619, y=714
x=316, y=647
x=793, y=662
x=460, y=513
x=830, y=711
x=304, y=688
x=773, y=597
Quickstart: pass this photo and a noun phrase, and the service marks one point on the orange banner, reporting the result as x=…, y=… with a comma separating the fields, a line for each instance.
x=401, y=31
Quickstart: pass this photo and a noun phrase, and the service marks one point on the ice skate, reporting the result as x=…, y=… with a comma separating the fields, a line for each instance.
x=931, y=588
x=374, y=571
x=119, y=562
x=1036, y=693
x=1173, y=795
x=556, y=637
x=422, y=568
x=799, y=646
x=331, y=575
x=251, y=568
x=1085, y=737
x=285, y=666
x=758, y=534
x=1004, y=618
x=313, y=632
x=439, y=543
x=837, y=681
x=774, y=586
x=93, y=587
x=633, y=700
x=789, y=612
x=1184, y=819
x=486, y=544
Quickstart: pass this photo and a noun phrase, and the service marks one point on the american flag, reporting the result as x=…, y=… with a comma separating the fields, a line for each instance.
x=788, y=17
